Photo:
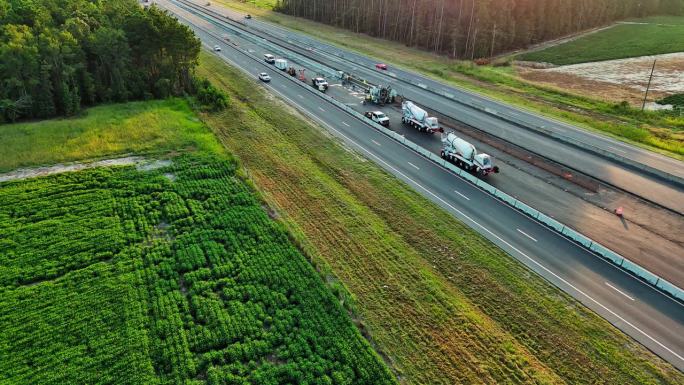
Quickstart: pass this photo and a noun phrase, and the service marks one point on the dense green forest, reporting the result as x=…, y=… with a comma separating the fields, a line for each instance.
x=57, y=56
x=473, y=28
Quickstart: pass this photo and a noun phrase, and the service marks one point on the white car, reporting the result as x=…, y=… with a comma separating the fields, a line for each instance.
x=264, y=77
x=217, y=48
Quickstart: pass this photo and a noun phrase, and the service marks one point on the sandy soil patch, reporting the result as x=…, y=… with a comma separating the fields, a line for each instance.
x=616, y=80
x=140, y=162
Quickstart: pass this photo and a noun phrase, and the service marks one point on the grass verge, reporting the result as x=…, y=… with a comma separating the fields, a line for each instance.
x=640, y=37
x=443, y=304
x=657, y=131
x=137, y=127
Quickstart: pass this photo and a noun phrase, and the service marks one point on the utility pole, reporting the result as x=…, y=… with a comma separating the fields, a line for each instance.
x=650, y=78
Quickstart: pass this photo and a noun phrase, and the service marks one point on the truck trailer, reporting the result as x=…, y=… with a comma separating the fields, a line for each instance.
x=464, y=155
x=418, y=118
x=281, y=64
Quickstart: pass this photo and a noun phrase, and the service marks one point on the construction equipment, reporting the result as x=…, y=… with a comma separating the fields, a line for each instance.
x=380, y=95
x=464, y=155
x=418, y=118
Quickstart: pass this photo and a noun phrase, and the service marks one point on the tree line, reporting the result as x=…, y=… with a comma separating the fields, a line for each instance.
x=470, y=29
x=57, y=56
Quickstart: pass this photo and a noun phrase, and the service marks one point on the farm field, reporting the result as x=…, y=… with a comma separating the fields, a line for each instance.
x=638, y=37
x=441, y=304
x=163, y=275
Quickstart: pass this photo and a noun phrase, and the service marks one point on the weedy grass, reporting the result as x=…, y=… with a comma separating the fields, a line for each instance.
x=638, y=37
x=442, y=304
x=655, y=131
x=104, y=131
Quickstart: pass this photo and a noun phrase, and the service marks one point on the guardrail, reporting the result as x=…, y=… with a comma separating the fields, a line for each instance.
x=590, y=245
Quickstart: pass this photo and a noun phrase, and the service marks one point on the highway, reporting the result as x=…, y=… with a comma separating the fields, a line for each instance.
x=637, y=182
x=640, y=183
x=647, y=315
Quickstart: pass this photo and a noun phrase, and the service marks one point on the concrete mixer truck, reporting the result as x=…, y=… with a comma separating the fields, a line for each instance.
x=418, y=118
x=465, y=156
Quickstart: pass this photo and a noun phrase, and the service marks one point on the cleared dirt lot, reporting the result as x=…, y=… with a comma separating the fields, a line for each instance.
x=616, y=80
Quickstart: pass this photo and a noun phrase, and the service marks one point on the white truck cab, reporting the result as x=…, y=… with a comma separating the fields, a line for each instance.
x=378, y=117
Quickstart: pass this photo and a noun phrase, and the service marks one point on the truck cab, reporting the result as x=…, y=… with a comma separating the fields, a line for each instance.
x=320, y=83
x=268, y=58
x=378, y=117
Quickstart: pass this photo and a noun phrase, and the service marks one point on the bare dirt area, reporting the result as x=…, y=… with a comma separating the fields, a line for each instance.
x=140, y=162
x=615, y=80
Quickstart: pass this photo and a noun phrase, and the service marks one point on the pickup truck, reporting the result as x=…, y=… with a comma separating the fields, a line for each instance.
x=378, y=117
x=320, y=84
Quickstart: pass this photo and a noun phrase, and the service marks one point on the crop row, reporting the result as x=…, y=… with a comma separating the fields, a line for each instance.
x=145, y=280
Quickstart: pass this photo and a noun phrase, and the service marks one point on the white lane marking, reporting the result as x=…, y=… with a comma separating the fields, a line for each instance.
x=414, y=166
x=345, y=123
x=618, y=290
x=462, y=214
x=300, y=96
x=617, y=149
x=376, y=142
x=321, y=109
x=457, y=192
x=527, y=235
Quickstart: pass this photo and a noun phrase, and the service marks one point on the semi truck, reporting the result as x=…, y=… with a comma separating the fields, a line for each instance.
x=464, y=155
x=281, y=64
x=418, y=118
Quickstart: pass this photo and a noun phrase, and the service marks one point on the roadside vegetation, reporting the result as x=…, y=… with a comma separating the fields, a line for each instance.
x=152, y=127
x=662, y=132
x=639, y=37
x=440, y=303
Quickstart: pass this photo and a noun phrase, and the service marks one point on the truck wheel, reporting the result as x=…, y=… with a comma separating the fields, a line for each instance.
x=442, y=154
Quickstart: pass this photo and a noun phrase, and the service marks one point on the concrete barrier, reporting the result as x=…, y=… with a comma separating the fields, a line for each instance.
x=670, y=288
x=640, y=272
x=577, y=237
x=614, y=258
x=552, y=223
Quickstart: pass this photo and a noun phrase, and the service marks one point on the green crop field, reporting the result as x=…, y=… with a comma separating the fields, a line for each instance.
x=123, y=276
x=648, y=36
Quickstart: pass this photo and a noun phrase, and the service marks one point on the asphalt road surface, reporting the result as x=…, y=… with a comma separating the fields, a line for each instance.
x=642, y=312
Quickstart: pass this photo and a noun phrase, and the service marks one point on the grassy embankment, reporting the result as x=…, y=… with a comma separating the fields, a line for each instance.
x=442, y=304
x=137, y=127
x=657, y=131
x=174, y=275
x=647, y=36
